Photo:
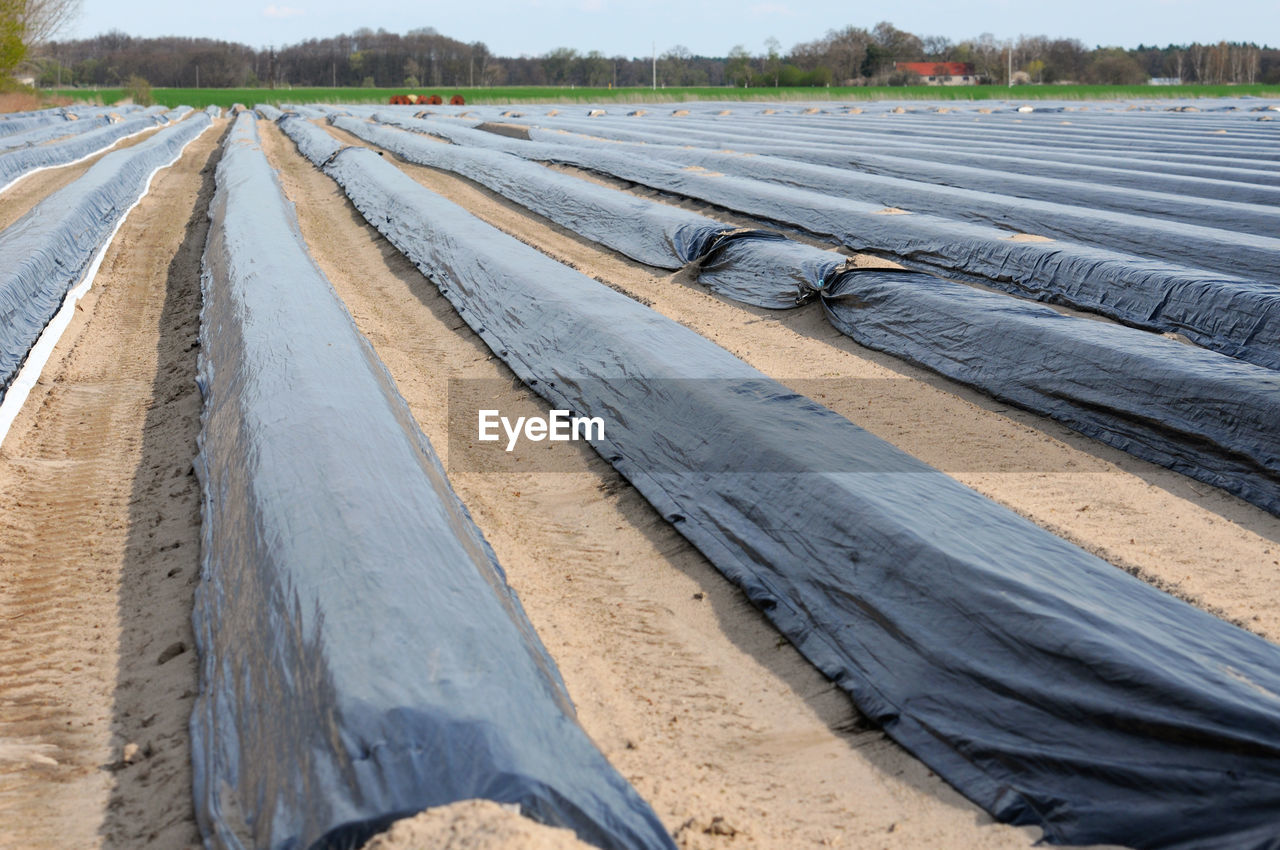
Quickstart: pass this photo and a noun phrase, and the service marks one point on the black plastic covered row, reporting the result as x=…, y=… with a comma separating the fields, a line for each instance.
x=657, y=234
x=46, y=252
x=1149, y=224
x=1221, y=183
x=362, y=657
x=1248, y=208
x=840, y=148
x=1201, y=413
x=1231, y=315
x=1220, y=149
x=1046, y=685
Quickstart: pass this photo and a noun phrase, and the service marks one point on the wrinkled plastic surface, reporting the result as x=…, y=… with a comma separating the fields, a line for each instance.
x=49, y=132
x=18, y=122
x=992, y=195
x=659, y=235
x=46, y=252
x=362, y=657
x=843, y=149
x=767, y=270
x=1198, y=412
x=16, y=163
x=268, y=112
x=896, y=176
x=1048, y=686
x=31, y=122
x=1235, y=316
x=315, y=144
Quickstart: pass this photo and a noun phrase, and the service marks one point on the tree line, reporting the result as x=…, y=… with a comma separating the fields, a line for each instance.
x=423, y=58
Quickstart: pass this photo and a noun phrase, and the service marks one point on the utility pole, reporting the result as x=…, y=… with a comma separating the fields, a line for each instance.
x=197, y=76
x=655, y=66
x=1010, y=63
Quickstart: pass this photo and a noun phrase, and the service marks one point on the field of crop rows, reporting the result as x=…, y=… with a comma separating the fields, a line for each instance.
x=933, y=497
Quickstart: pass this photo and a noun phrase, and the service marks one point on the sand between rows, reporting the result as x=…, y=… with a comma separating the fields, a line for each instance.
x=99, y=547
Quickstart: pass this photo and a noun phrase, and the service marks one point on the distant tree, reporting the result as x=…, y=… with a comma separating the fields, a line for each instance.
x=43, y=19
x=478, y=65
x=13, y=46
x=772, y=59
x=594, y=69
x=937, y=47
x=27, y=25
x=412, y=70
x=846, y=53
x=672, y=65
x=847, y=56
x=1112, y=66
x=558, y=65
x=738, y=68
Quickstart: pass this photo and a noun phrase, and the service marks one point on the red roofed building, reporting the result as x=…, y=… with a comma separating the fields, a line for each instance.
x=941, y=73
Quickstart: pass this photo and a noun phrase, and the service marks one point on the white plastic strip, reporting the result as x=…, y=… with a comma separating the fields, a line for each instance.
x=40, y=353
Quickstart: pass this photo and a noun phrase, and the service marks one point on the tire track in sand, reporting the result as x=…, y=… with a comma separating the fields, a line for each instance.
x=99, y=525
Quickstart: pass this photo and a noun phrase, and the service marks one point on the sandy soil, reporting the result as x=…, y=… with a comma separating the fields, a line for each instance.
x=473, y=825
x=99, y=541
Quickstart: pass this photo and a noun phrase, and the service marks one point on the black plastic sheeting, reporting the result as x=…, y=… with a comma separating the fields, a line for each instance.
x=1079, y=138
x=859, y=135
x=46, y=252
x=1231, y=315
x=1198, y=412
x=657, y=234
x=1227, y=180
x=1259, y=217
x=1046, y=685
x=1049, y=135
x=362, y=657
x=1189, y=231
x=1110, y=186
x=1194, y=411
x=18, y=163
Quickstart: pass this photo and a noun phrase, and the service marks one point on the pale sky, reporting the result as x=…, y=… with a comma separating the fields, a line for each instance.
x=709, y=27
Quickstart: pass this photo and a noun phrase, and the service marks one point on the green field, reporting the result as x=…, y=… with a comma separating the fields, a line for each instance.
x=200, y=98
